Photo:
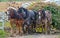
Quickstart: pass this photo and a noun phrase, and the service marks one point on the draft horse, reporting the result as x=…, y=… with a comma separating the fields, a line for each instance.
x=44, y=18
x=29, y=18
x=15, y=18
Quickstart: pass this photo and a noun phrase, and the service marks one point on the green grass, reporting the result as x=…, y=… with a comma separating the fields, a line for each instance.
x=7, y=24
x=2, y=34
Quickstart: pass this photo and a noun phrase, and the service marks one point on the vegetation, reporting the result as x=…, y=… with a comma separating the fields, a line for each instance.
x=55, y=16
x=2, y=34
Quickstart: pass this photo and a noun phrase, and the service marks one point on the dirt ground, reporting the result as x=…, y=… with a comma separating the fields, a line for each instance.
x=37, y=36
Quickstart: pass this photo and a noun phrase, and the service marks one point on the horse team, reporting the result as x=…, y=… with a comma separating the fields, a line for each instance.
x=25, y=21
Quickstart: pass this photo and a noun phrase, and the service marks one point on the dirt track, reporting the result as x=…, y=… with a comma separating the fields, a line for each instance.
x=37, y=36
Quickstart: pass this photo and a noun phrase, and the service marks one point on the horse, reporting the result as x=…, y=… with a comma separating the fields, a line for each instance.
x=44, y=18
x=15, y=18
x=29, y=18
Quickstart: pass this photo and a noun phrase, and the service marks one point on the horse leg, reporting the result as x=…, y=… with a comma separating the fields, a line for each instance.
x=17, y=27
x=12, y=28
x=25, y=28
x=42, y=26
x=49, y=27
x=20, y=26
x=46, y=28
x=29, y=28
x=21, y=32
x=34, y=26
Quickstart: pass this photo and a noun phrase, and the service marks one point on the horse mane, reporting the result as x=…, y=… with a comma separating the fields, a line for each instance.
x=14, y=11
x=21, y=8
x=11, y=8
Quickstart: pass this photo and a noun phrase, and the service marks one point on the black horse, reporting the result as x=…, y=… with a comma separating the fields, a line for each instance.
x=29, y=18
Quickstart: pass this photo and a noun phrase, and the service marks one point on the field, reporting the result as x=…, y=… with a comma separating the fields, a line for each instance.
x=5, y=5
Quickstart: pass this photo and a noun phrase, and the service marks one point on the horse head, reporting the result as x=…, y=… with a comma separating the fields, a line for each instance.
x=41, y=13
x=11, y=11
x=22, y=11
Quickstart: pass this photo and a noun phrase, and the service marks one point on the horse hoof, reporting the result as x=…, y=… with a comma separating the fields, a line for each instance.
x=12, y=36
x=20, y=34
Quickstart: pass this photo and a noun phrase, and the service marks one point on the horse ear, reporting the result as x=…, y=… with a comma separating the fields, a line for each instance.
x=6, y=12
x=18, y=7
x=39, y=10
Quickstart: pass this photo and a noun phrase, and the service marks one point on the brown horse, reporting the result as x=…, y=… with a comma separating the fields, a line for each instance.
x=15, y=20
x=45, y=19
